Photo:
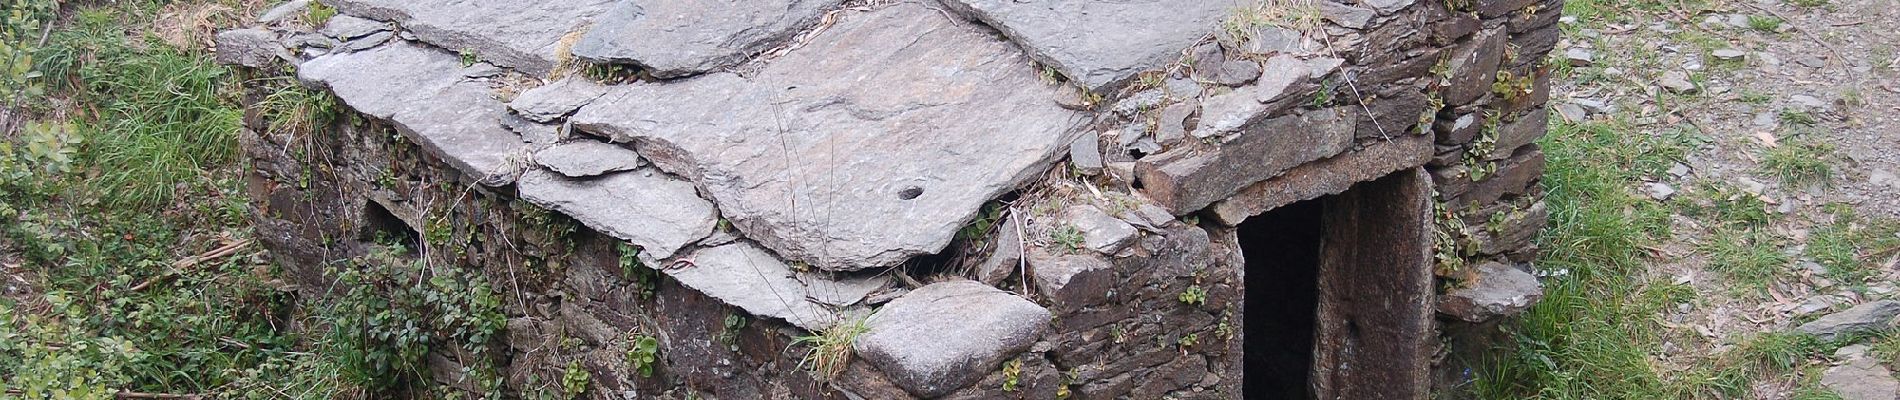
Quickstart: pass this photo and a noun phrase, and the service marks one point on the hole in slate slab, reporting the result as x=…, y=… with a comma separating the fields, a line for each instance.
x=910, y=193
x=1282, y=252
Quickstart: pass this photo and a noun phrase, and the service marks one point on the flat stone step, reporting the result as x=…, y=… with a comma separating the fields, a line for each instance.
x=898, y=114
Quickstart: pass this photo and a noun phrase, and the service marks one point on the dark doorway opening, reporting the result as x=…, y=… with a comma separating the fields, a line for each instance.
x=1282, y=249
x=1339, y=294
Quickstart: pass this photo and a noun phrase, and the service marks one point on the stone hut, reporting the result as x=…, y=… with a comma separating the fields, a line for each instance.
x=961, y=199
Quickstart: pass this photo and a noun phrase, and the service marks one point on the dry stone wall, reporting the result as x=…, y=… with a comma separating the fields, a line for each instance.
x=982, y=199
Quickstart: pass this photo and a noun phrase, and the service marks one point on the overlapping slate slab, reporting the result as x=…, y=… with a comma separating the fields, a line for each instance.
x=1330, y=176
x=512, y=33
x=422, y=92
x=1186, y=179
x=660, y=214
x=673, y=38
x=744, y=275
x=871, y=144
x=1096, y=43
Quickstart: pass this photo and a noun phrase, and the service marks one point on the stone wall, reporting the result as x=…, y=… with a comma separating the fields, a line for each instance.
x=991, y=204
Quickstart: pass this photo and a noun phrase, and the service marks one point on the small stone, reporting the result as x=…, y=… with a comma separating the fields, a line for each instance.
x=556, y=100
x=1810, y=61
x=1500, y=290
x=1866, y=317
x=1881, y=177
x=1659, y=191
x=1345, y=15
x=585, y=158
x=1751, y=186
x=251, y=47
x=1679, y=170
x=1677, y=82
x=1861, y=379
x=1580, y=57
x=1729, y=54
x=948, y=335
x=1594, y=105
x=1852, y=351
x=1085, y=154
x=1572, y=112
x=1237, y=72
x=1101, y=232
x=282, y=11
x=1172, y=125
x=1072, y=281
x=1765, y=120
x=1073, y=99
x=1140, y=101
x=1182, y=89
x=1738, y=21
x=1807, y=101
x=1814, y=305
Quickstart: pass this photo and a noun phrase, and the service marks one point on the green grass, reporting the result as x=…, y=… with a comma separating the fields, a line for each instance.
x=1599, y=330
x=1850, y=247
x=1592, y=335
x=1749, y=258
x=1800, y=162
x=141, y=180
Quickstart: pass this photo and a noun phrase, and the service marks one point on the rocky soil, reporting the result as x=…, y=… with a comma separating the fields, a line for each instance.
x=1790, y=111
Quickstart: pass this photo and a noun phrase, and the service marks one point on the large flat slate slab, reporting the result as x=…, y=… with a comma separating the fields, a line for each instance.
x=422, y=92
x=1096, y=43
x=661, y=214
x=519, y=34
x=898, y=114
x=674, y=38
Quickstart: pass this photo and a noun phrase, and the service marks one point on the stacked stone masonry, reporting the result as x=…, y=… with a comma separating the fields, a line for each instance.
x=996, y=199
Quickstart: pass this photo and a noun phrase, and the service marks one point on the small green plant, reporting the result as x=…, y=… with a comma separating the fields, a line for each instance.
x=1510, y=87
x=1808, y=3
x=1752, y=96
x=1193, y=295
x=1189, y=340
x=575, y=379
x=1792, y=116
x=319, y=13
x=829, y=351
x=1067, y=236
x=644, y=352
x=1012, y=375
x=735, y=323
x=1765, y=24
x=469, y=58
x=644, y=279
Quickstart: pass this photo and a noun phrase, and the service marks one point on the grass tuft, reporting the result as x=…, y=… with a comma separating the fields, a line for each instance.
x=830, y=349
